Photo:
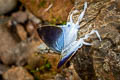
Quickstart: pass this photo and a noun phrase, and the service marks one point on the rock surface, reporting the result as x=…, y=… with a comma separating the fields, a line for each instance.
x=54, y=11
x=101, y=61
x=7, y=5
x=17, y=73
x=6, y=41
x=3, y=68
x=20, y=17
x=12, y=51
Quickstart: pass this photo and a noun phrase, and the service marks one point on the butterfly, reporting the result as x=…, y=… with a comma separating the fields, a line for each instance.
x=63, y=38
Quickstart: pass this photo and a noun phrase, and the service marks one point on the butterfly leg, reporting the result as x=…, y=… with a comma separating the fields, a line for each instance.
x=81, y=40
x=92, y=32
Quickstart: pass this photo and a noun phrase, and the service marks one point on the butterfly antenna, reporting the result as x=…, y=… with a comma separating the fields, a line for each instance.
x=81, y=15
x=71, y=19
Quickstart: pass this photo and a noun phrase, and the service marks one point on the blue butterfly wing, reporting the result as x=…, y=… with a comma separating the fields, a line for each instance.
x=52, y=36
x=65, y=59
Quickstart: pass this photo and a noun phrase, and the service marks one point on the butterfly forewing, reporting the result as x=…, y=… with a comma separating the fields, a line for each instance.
x=52, y=36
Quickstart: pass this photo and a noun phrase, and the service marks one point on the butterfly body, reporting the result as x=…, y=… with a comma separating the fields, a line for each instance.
x=70, y=34
x=63, y=38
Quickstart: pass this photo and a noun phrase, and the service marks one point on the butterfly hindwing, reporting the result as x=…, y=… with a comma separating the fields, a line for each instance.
x=65, y=59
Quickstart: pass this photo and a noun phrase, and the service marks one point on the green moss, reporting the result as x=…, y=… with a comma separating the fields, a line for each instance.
x=54, y=20
x=48, y=66
x=54, y=73
x=42, y=68
x=42, y=3
x=39, y=72
x=33, y=71
x=63, y=22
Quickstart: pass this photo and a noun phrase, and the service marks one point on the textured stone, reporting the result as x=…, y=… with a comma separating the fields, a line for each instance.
x=101, y=60
x=3, y=68
x=7, y=5
x=21, y=32
x=50, y=10
x=17, y=73
x=20, y=16
x=7, y=41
